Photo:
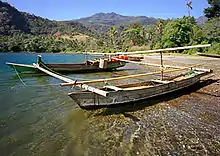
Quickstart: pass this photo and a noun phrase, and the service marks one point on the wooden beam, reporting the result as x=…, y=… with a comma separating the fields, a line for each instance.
x=113, y=88
x=151, y=51
x=95, y=90
x=126, y=77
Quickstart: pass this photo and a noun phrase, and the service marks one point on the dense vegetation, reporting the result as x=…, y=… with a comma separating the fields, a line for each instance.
x=24, y=32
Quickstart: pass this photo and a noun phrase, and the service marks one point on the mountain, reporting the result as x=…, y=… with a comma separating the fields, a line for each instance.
x=13, y=21
x=201, y=20
x=102, y=21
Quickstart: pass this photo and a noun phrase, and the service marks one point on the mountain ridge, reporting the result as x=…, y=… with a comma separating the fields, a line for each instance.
x=14, y=21
x=100, y=21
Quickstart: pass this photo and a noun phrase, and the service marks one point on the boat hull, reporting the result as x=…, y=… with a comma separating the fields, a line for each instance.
x=88, y=100
x=67, y=68
x=23, y=68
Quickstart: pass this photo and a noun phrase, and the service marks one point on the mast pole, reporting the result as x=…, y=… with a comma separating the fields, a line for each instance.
x=161, y=64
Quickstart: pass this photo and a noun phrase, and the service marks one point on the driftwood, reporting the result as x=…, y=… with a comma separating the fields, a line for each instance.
x=126, y=77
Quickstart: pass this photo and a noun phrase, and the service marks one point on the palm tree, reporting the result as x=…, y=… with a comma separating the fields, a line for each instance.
x=189, y=3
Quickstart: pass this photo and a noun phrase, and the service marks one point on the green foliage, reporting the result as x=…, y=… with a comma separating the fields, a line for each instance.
x=178, y=32
x=214, y=49
x=211, y=30
x=21, y=31
x=12, y=21
x=213, y=10
x=132, y=36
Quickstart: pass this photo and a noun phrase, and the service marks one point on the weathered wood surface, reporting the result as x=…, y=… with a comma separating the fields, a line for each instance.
x=126, y=77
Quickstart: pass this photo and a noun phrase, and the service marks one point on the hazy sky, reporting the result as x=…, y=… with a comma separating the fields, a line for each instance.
x=74, y=9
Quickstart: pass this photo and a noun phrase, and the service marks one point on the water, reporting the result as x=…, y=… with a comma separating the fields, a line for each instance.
x=33, y=118
x=40, y=119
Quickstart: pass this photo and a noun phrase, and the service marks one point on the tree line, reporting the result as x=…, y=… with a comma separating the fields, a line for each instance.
x=164, y=34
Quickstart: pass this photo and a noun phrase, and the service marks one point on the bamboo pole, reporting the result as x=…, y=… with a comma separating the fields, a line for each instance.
x=53, y=74
x=161, y=63
x=86, y=87
x=126, y=77
x=149, y=64
x=151, y=51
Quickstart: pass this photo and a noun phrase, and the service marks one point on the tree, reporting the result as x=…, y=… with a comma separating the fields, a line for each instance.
x=213, y=10
x=177, y=32
x=113, y=34
x=133, y=35
x=211, y=30
x=159, y=31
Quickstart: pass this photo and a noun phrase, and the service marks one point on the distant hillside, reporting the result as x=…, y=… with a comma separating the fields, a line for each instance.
x=201, y=20
x=102, y=21
x=12, y=21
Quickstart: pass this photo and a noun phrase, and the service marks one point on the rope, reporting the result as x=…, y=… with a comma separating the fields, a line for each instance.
x=19, y=76
x=26, y=85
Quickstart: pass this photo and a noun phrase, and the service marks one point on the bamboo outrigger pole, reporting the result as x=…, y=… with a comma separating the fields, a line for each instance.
x=151, y=51
x=84, y=86
x=126, y=77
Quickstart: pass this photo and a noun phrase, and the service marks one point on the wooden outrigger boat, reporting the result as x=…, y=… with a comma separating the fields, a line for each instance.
x=134, y=92
x=89, y=66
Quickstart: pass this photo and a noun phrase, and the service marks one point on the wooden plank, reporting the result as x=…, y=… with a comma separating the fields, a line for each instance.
x=151, y=51
x=126, y=77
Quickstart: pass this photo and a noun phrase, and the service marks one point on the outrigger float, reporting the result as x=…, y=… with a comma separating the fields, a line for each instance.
x=91, y=97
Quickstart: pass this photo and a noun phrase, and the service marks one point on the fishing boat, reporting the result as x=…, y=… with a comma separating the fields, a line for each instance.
x=98, y=65
x=134, y=92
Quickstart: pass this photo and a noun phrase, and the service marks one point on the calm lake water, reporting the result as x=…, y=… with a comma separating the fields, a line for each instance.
x=34, y=118
x=37, y=117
